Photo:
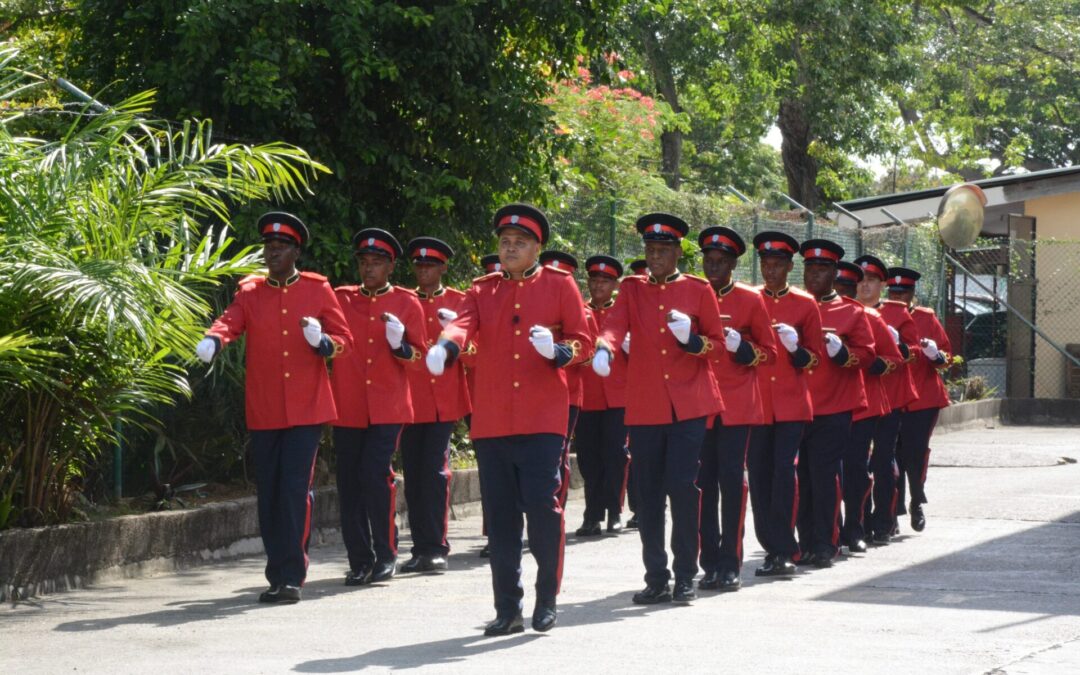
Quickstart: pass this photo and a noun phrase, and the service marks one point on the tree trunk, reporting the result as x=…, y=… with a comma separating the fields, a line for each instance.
x=661, y=71
x=799, y=167
x=671, y=144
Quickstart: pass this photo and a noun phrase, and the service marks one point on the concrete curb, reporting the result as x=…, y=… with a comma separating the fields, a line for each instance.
x=969, y=415
x=1010, y=411
x=43, y=560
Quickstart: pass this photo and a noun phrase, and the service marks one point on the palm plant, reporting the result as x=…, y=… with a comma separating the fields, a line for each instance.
x=111, y=238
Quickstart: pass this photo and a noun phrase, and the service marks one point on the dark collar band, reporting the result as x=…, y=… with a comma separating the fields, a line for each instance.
x=273, y=283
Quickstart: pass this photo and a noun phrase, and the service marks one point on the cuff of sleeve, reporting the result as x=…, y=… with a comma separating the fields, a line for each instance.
x=803, y=358
x=405, y=352
x=327, y=347
x=843, y=357
x=941, y=361
x=905, y=351
x=746, y=355
x=696, y=345
x=452, y=350
x=879, y=367
x=217, y=344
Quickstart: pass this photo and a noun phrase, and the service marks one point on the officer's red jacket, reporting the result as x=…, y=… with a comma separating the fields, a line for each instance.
x=743, y=309
x=518, y=391
x=836, y=383
x=370, y=384
x=900, y=387
x=286, y=382
x=602, y=393
x=887, y=359
x=924, y=373
x=785, y=392
x=445, y=398
x=575, y=375
x=676, y=377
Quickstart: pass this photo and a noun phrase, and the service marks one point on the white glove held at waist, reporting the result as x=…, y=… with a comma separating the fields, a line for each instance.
x=679, y=324
x=788, y=337
x=395, y=331
x=542, y=341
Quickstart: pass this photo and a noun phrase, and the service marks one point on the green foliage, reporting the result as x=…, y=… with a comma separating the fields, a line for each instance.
x=112, y=236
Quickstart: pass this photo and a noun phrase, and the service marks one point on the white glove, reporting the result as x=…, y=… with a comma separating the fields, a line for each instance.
x=626, y=344
x=601, y=362
x=895, y=334
x=679, y=324
x=929, y=348
x=446, y=316
x=788, y=337
x=313, y=331
x=436, y=359
x=832, y=344
x=395, y=331
x=732, y=339
x=206, y=349
x=542, y=341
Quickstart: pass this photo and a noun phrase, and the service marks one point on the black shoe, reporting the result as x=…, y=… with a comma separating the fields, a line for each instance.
x=544, y=617
x=360, y=577
x=729, y=582
x=505, y=625
x=776, y=566
x=614, y=524
x=435, y=563
x=486, y=551
x=684, y=592
x=412, y=565
x=289, y=595
x=590, y=528
x=895, y=527
x=653, y=595
x=857, y=546
x=822, y=560
x=384, y=571
x=881, y=539
x=709, y=582
x=805, y=559
x=632, y=523
x=918, y=518
x=272, y=594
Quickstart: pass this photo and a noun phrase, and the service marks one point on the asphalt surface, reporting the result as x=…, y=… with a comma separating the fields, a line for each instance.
x=991, y=586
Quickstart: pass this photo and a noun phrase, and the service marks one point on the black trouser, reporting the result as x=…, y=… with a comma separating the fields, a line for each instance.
x=600, y=443
x=722, y=480
x=564, y=462
x=820, y=494
x=284, y=468
x=520, y=475
x=366, y=492
x=774, y=484
x=666, y=458
x=883, y=466
x=856, y=482
x=913, y=453
x=425, y=460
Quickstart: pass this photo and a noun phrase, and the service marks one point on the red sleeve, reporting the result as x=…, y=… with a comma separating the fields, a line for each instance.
x=463, y=329
x=233, y=321
x=860, y=343
x=884, y=346
x=617, y=323
x=812, y=339
x=333, y=322
x=710, y=325
x=575, y=328
x=762, y=335
x=413, y=319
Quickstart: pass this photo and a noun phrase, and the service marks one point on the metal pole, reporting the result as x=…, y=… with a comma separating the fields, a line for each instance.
x=611, y=228
x=741, y=196
x=1009, y=307
x=118, y=462
x=95, y=105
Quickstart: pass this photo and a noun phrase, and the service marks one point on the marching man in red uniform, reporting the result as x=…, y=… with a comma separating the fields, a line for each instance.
x=837, y=391
x=785, y=394
x=372, y=393
x=600, y=439
x=748, y=342
x=293, y=323
x=864, y=422
x=437, y=406
x=529, y=322
x=899, y=391
x=675, y=322
x=919, y=418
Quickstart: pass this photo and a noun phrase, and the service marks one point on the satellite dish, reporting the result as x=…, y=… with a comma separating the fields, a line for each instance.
x=960, y=215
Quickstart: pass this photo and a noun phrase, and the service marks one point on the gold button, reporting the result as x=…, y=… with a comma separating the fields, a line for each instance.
x=286, y=375
x=517, y=356
x=773, y=378
x=661, y=306
x=517, y=384
x=430, y=301
x=286, y=353
x=367, y=382
x=370, y=340
x=663, y=351
x=284, y=290
x=521, y=283
x=719, y=299
x=811, y=371
x=371, y=318
x=517, y=332
x=433, y=380
x=662, y=287
x=369, y=360
x=430, y=318
x=284, y=332
x=517, y=306
x=663, y=330
x=374, y=299
x=284, y=311
x=776, y=299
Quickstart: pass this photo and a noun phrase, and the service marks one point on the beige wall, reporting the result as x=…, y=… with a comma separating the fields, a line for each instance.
x=1057, y=271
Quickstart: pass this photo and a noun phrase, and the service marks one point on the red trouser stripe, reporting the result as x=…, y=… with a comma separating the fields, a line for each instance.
x=306, y=537
x=836, y=513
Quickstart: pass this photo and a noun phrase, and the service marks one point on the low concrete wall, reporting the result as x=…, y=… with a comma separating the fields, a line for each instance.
x=48, y=559
x=969, y=415
x=1041, y=411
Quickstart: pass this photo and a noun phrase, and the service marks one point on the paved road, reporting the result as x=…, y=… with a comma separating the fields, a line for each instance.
x=992, y=585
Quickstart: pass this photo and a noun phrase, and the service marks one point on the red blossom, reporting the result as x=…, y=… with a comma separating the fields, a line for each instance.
x=626, y=75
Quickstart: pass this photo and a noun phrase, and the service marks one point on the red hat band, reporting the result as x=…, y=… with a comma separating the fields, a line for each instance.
x=280, y=228
x=900, y=280
x=522, y=221
x=372, y=242
x=721, y=239
x=821, y=253
x=870, y=268
x=776, y=245
x=847, y=275
x=424, y=252
x=657, y=228
x=604, y=268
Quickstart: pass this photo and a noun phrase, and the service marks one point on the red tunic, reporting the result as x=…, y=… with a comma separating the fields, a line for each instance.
x=602, y=393
x=674, y=379
x=575, y=375
x=900, y=387
x=518, y=391
x=924, y=373
x=743, y=309
x=286, y=382
x=444, y=399
x=370, y=385
x=785, y=393
x=877, y=396
x=838, y=388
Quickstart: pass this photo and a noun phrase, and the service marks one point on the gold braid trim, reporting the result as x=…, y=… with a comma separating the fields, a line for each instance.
x=759, y=356
x=890, y=366
x=471, y=349
x=338, y=348
x=813, y=361
x=852, y=360
x=575, y=349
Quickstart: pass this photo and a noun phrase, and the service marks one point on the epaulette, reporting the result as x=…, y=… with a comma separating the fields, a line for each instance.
x=894, y=302
x=453, y=291
x=403, y=289
x=801, y=293
x=347, y=289
x=852, y=301
x=490, y=276
x=558, y=270
x=252, y=280
x=313, y=276
x=925, y=310
x=694, y=277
